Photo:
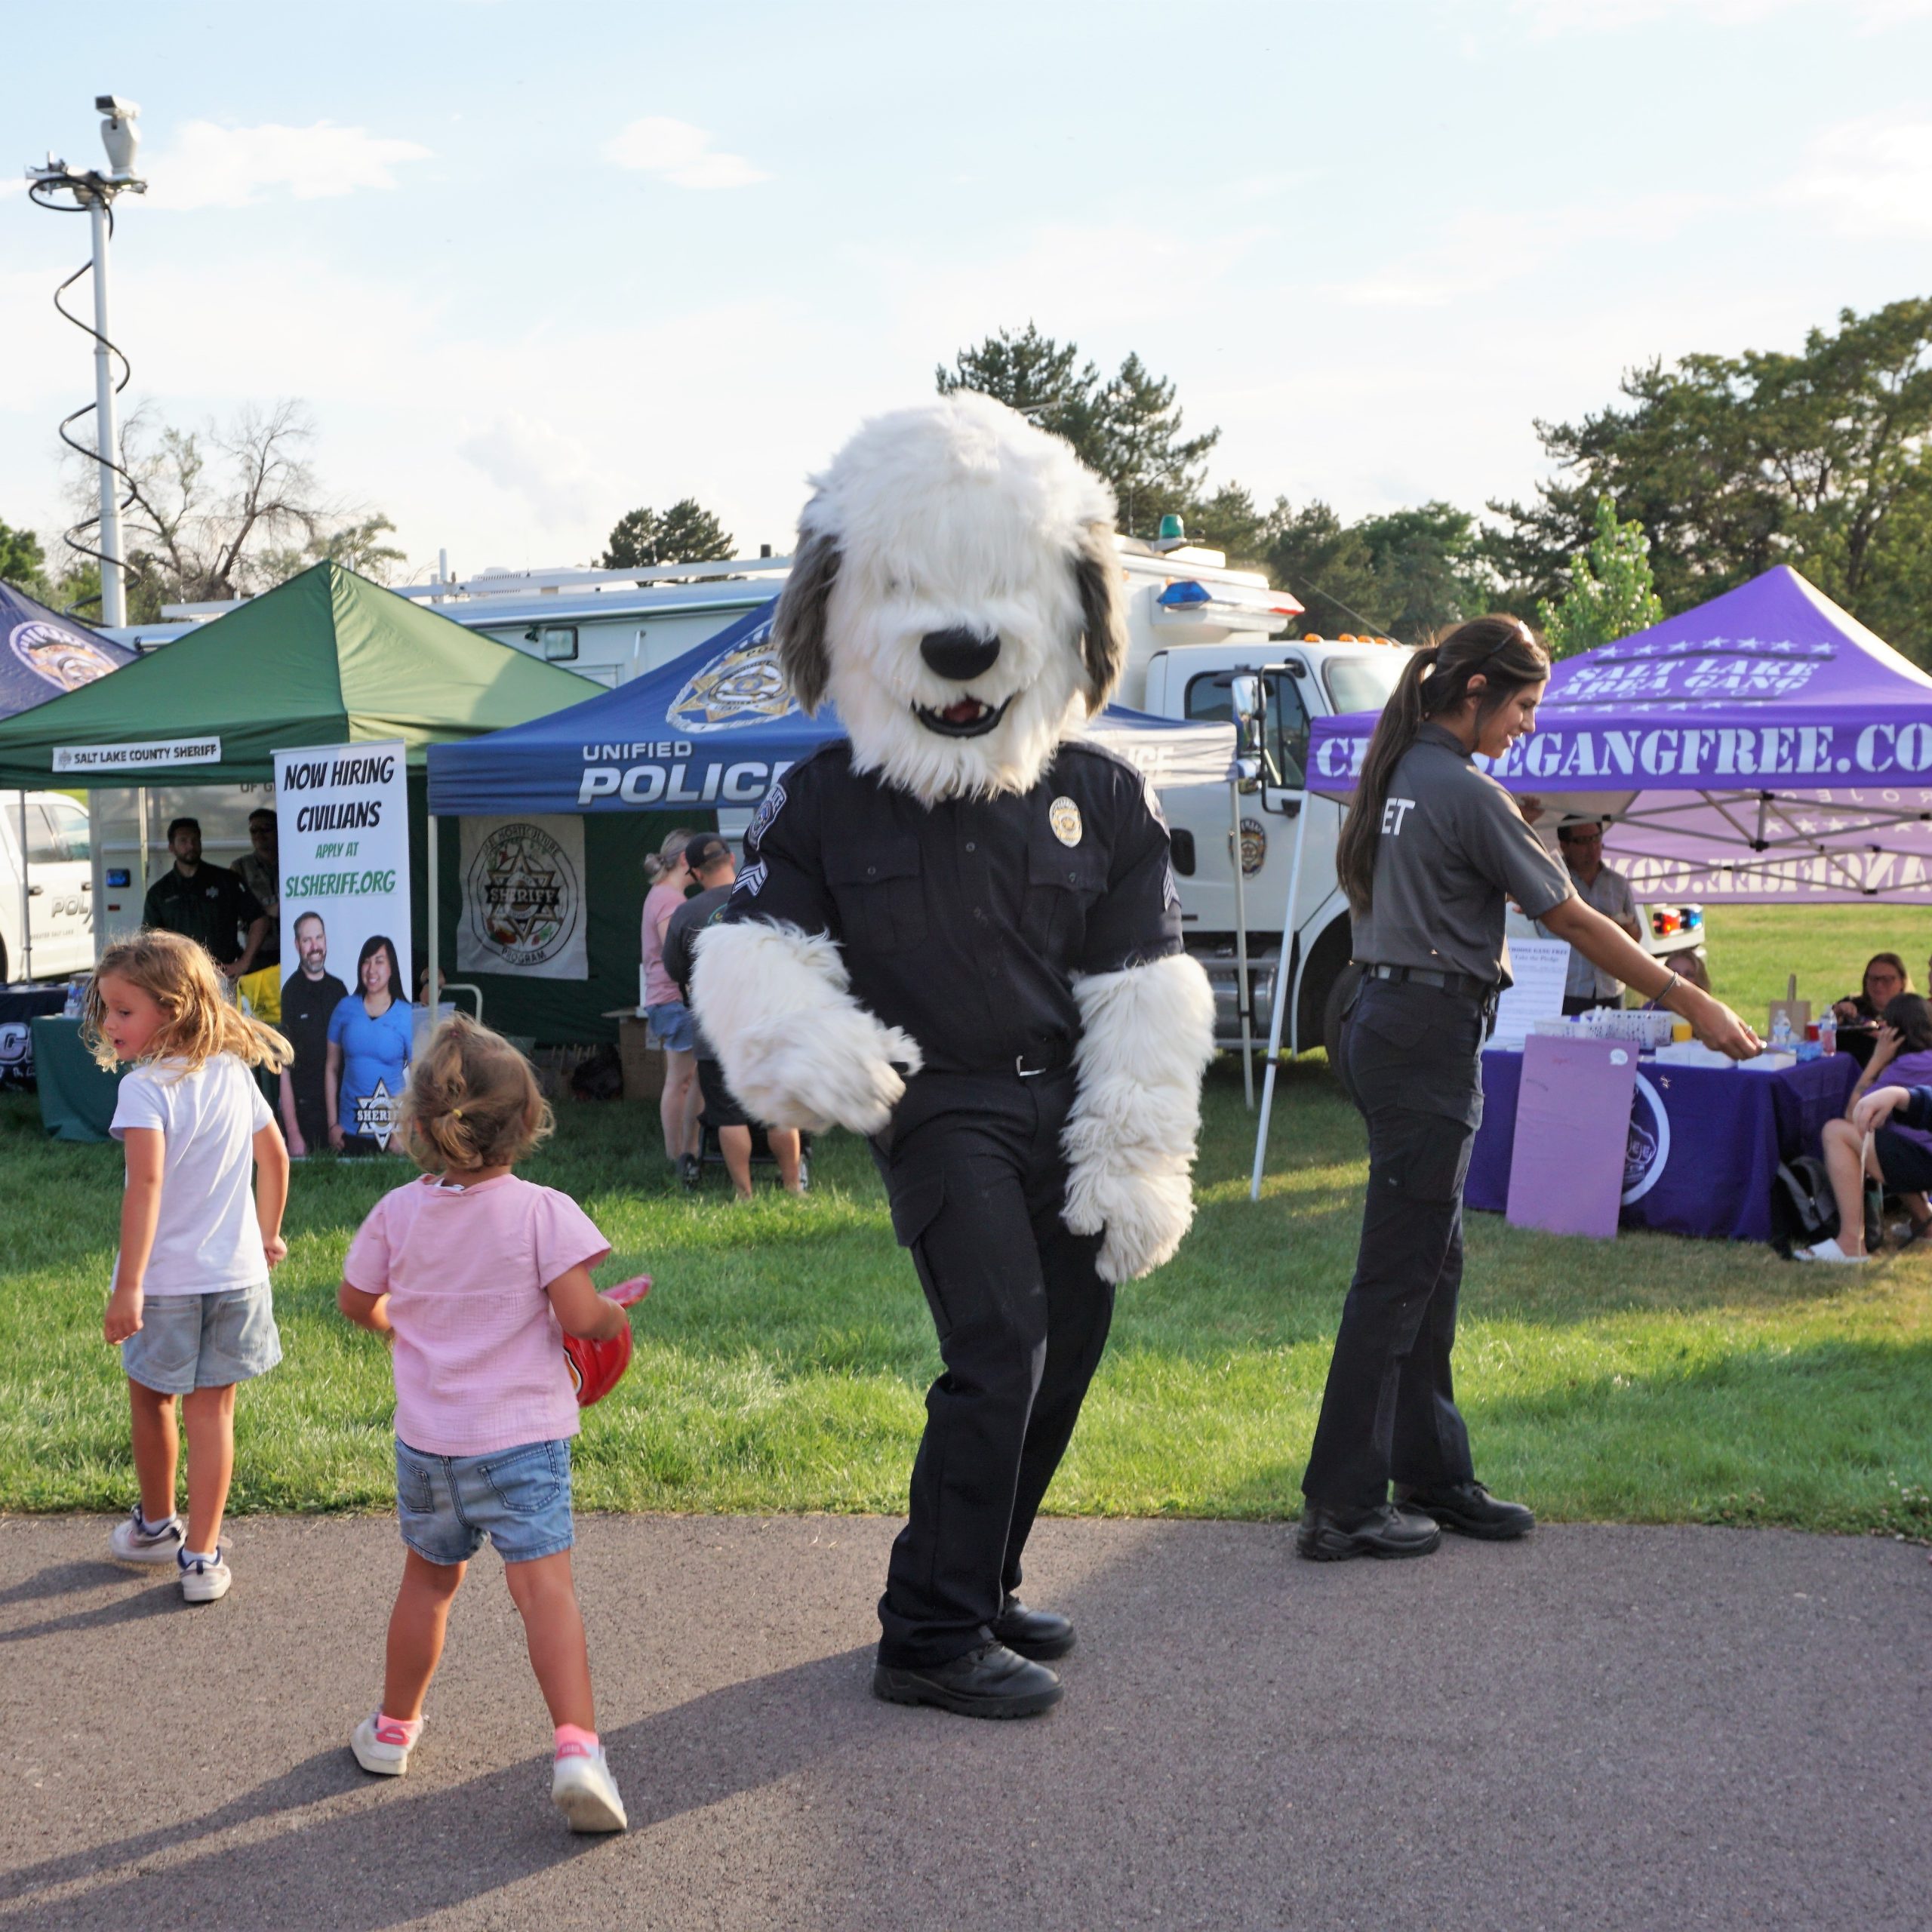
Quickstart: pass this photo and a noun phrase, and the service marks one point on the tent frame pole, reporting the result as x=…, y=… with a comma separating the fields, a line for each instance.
x=1285, y=995
x=432, y=999
x=1243, y=999
x=26, y=900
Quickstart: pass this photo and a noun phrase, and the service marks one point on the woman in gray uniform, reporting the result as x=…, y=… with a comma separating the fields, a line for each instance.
x=1432, y=851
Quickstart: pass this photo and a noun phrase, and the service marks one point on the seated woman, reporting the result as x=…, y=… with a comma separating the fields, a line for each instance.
x=1690, y=964
x=369, y=1039
x=1857, y=1015
x=1900, y=1157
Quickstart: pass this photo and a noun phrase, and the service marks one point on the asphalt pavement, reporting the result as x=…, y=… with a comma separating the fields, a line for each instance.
x=1600, y=1726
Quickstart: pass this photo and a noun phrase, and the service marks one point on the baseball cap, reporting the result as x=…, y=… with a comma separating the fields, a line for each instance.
x=705, y=851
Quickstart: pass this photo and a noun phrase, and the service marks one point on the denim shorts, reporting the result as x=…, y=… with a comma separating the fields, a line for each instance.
x=188, y=1342
x=674, y=1024
x=519, y=1498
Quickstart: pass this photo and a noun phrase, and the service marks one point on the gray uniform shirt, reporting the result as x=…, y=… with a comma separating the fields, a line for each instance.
x=1452, y=847
x=1609, y=892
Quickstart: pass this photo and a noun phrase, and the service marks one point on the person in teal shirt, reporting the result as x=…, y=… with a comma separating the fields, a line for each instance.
x=369, y=1039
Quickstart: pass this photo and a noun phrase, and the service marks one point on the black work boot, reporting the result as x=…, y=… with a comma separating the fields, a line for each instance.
x=990, y=1681
x=1328, y=1535
x=1039, y=1634
x=1470, y=1509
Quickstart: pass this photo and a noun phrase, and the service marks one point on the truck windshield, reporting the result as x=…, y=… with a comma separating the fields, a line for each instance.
x=1364, y=683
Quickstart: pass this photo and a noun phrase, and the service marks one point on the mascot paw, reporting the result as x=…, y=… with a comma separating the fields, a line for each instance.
x=860, y=1068
x=1139, y=1217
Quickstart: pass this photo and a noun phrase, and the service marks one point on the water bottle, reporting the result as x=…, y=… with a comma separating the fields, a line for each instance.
x=1781, y=1031
x=77, y=995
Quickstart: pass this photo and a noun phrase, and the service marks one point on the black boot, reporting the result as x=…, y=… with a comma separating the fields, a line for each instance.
x=1327, y=1536
x=991, y=1681
x=1470, y=1509
x=1039, y=1634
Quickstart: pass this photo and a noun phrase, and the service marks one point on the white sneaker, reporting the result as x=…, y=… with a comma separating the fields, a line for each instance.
x=134, y=1542
x=201, y=1581
x=582, y=1788
x=382, y=1747
x=1828, y=1250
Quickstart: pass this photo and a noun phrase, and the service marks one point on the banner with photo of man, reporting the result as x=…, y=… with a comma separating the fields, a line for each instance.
x=342, y=813
x=523, y=905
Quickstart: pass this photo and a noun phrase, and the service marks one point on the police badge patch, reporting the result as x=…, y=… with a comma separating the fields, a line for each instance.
x=774, y=803
x=1063, y=815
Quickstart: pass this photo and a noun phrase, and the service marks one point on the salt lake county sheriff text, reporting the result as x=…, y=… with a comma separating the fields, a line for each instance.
x=652, y=774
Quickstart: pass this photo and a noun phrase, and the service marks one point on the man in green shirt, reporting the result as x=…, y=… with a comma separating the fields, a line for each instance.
x=206, y=904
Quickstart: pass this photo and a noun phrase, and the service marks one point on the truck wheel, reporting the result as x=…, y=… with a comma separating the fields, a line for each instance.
x=1340, y=994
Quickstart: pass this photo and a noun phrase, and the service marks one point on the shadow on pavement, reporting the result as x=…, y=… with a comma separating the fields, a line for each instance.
x=416, y=1851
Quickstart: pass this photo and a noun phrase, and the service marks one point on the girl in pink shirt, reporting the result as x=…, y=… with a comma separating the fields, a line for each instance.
x=669, y=879
x=476, y=1277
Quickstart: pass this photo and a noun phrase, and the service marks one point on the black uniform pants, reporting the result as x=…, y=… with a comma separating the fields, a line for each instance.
x=976, y=1180
x=1411, y=1061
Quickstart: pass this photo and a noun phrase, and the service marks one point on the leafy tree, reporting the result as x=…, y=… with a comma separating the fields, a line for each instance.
x=1328, y=566
x=1821, y=459
x=685, y=533
x=22, y=559
x=1611, y=593
x=1430, y=570
x=356, y=545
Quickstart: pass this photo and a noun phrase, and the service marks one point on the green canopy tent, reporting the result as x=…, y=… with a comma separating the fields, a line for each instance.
x=329, y=658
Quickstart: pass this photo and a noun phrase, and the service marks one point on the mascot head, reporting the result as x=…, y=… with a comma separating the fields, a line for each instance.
x=956, y=593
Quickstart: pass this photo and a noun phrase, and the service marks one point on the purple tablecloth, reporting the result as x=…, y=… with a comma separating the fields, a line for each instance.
x=1704, y=1141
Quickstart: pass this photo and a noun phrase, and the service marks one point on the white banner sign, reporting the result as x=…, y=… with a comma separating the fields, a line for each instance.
x=137, y=758
x=523, y=898
x=342, y=817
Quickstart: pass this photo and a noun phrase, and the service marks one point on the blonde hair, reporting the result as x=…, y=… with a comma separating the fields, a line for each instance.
x=665, y=858
x=202, y=1021
x=472, y=1101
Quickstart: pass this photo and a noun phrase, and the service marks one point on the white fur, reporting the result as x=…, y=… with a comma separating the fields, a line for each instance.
x=797, y=1049
x=956, y=513
x=1148, y=1033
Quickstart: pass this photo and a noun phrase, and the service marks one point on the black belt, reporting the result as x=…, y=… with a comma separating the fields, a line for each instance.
x=1048, y=1056
x=1465, y=984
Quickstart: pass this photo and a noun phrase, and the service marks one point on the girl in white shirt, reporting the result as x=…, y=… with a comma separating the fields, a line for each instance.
x=190, y=1307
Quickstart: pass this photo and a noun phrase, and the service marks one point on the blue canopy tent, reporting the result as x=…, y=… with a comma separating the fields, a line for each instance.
x=718, y=727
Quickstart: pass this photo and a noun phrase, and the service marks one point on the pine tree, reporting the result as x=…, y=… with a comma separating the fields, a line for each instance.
x=1141, y=452
x=1611, y=593
x=685, y=533
x=1042, y=379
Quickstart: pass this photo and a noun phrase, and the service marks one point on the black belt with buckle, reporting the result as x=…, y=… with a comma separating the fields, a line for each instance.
x=1048, y=1056
x=1466, y=985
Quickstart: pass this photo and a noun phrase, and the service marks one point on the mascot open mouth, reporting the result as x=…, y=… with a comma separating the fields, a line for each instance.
x=965, y=717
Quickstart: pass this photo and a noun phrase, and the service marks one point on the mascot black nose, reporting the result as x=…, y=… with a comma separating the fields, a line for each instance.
x=959, y=654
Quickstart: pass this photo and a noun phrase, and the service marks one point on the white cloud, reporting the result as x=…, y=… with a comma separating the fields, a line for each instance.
x=207, y=166
x=554, y=474
x=1870, y=177
x=677, y=152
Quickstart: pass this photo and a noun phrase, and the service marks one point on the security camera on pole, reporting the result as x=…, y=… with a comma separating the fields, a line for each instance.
x=57, y=186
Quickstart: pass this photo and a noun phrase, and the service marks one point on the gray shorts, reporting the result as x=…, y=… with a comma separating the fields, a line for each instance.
x=188, y=1342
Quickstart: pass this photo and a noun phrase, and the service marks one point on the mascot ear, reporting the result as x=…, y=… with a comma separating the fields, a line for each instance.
x=1102, y=611
x=798, y=629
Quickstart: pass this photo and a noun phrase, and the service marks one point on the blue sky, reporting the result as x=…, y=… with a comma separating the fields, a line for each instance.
x=530, y=266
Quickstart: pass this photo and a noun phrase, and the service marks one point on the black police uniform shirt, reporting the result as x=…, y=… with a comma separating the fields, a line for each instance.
x=213, y=908
x=681, y=931
x=964, y=922
x=1452, y=847
x=306, y=1004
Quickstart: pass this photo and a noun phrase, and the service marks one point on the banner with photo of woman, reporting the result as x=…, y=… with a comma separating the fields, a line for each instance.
x=342, y=817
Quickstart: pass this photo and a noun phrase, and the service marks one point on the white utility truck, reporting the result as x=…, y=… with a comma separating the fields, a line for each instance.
x=1193, y=625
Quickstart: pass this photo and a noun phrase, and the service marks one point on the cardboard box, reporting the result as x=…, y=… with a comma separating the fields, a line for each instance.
x=643, y=1062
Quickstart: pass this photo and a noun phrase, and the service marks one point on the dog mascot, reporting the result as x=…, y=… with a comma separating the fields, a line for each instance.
x=957, y=932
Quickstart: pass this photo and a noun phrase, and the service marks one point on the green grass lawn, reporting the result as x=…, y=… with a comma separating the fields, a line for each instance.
x=782, y=1359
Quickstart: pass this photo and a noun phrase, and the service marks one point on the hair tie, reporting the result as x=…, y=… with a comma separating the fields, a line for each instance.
x=455, y=1113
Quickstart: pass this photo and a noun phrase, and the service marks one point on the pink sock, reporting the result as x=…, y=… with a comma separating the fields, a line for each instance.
x=404, y=1731
x=574, y=1741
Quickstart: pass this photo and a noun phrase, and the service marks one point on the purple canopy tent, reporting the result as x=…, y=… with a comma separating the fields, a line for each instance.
x=1764, y=748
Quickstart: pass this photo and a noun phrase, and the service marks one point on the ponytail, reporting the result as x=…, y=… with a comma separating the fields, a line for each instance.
x=658, y=863
x=1506, y=654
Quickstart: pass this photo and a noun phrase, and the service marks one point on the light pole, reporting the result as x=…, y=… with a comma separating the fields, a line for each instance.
x=58, y=187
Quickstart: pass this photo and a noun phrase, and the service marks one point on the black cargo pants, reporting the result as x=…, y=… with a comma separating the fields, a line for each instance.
x=1411, y=1061
x=973, y=1166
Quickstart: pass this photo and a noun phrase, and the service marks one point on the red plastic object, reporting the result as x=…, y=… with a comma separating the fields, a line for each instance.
x=597, y=1367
